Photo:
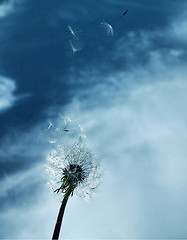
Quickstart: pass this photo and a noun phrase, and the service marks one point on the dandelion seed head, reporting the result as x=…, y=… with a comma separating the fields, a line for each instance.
x=108, y=28
x=73, y=166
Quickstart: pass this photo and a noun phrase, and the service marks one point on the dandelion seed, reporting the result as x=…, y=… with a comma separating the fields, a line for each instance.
x=66, y=119
x=70, y=125
x=108, y=28
x=50, y=125
x=120, y=17
x=81, y=128
x=71, y=31
x=52, y=141
x=76, y=46
x=74, y=31
x=57, y=129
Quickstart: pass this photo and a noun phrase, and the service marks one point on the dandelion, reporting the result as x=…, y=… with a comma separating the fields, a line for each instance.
x=108, y=28
x=73, y=170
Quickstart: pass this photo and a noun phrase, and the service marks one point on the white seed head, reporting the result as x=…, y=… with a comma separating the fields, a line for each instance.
x=73, y=166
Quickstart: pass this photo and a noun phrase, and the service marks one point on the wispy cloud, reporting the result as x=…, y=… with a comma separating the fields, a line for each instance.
x=7, y=88
x=7, y=6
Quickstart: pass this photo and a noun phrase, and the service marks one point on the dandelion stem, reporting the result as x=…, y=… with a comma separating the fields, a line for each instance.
x=60, y=215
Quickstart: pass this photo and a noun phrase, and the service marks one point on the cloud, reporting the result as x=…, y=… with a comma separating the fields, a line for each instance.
x=6, y=7
x=7, y=88
x=178, y=29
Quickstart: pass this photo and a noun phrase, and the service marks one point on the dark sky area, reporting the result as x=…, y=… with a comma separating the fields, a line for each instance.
x=33, y=46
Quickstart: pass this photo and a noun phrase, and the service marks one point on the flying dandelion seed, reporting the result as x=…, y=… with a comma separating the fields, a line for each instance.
x=63, y=128
x=73, y=170
x=70, y=124
x=67, y=121
x=52, y=141
x=108, y=28
x=71, y=31
x=67, y=125
x=75, y=46
x=120, y=17
x=50, y=125
x=74, y=31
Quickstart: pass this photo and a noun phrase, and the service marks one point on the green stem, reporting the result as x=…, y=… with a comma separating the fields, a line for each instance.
x=60, y=215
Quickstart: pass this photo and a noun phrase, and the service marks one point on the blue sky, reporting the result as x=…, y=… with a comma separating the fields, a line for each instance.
x=129, y=93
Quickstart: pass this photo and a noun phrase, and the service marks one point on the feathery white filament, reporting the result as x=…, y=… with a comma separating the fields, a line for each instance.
x=108, y=28
x=74, y=31
x=76, y=46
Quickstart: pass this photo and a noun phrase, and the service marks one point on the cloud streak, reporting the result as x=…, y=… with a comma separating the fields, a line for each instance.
x=7, y=88
x=5, y=8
